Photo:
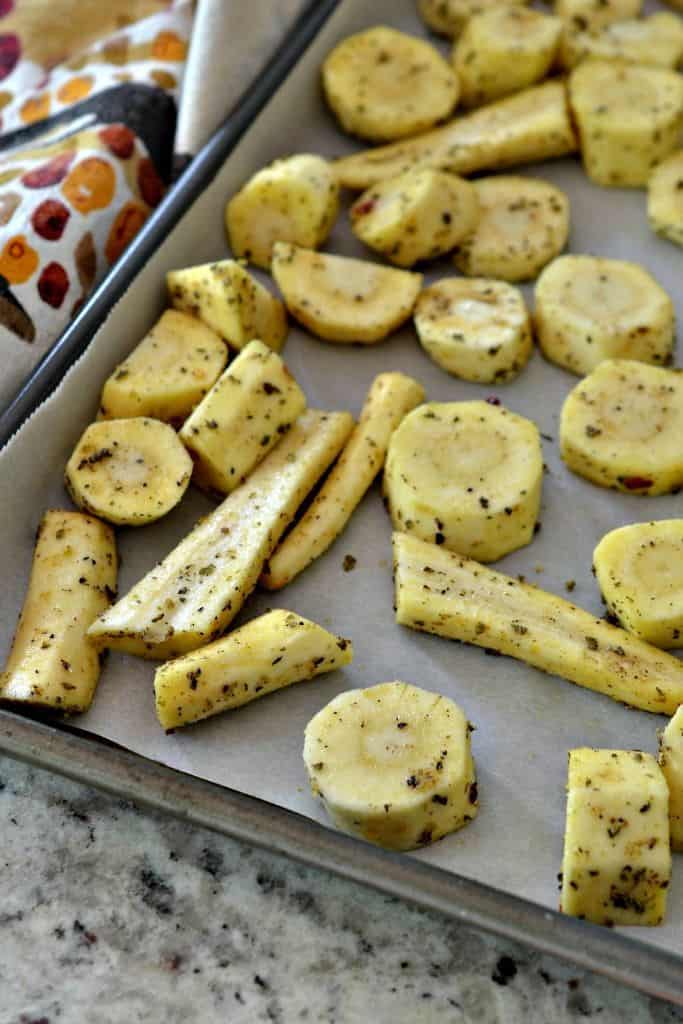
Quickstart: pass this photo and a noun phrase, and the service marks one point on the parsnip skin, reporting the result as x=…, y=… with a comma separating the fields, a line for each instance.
x=665, y=198
x=656, y=41
x=440, y=592
x=594, y=14
x=193, y=595
x=52, y=663
x=390, y=397
x=449, y=17
x=671, y=763
x=531, y=126
x=267, y=654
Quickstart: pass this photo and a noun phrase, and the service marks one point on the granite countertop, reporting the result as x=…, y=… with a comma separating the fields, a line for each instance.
x=111, y=913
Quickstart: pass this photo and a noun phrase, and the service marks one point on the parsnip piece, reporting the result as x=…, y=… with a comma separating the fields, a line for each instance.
x=390, y=397
x=589, y=310
x=656, y=41
x=440, y=592
x=629, y=118
x=341, y=299
x=167, y=374
x=475, y=328
x=449, y=17
x=524, y=223
x=467, y=475
x=530, y=126
x=267, y=654
x=617, y=863
x=52, y=663
x=129, y=472
x=193, y=595
x=295, y=199
x=242, y=418
x=503, y=50
x=382, y=84
x=393, y=765
x=419, y=215
x=622, y=426
x=671, y=763
x=596, y=13
x=665, y=198
x=230, y=301
x=640, y=573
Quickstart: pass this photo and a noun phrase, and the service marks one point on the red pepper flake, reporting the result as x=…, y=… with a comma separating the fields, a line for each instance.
x=493, y=399
x=363, y=208
x=636, y=483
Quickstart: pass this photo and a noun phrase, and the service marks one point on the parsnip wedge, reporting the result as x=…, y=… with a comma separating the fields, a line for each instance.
x=530, y=126
x=503, y=50
x=341, y=299
x=467, y=475
x=616, y=867
x=449, y=17
x=639, y=569
x=129, y=472
x=295, y=199
x=390, y=397
x=267, y=654
x=193, y=595
x=629, y=118
x=167, y=374
x=475, y=328
x=665, y=198
x=523, y=224
x=417, y=216
x=230, y=301
x=589, y=310
x=596, y=13
x=656, y=41
x=73, y=578
x=382, y=84
x=440, y=592
x=242, y=418
x=622, y=425
x=393, y=765
x=671, y=763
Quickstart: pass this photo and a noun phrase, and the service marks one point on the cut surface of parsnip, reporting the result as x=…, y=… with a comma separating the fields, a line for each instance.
x=639, y=569
x=390, y=397
x=621, y=427
x=242, y=418
x=530, y=126
x=192, y=596
x=342, y=299
x=392, y=764
x=440, y=592
x=382, y=84
x=73, y=579
x=590, y=309
x=656, y=41
x=449, y=17
x=665, y=198
x=267, y=654
x=671, y=763
x=168, y=373
x=295, y=199
x=230, y=301
x=596, y=13
x=616, y=867
x=467, y=475
x=477, y=329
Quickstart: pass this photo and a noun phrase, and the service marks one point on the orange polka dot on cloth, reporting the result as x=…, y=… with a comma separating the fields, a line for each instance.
x=18, y=261
x=128, y=222
x=90, y=185
x=168, y=46
x=37, y=108
x=75, y=89
x=164, y=79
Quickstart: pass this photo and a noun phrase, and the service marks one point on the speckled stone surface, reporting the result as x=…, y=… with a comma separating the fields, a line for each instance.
x=113, y=914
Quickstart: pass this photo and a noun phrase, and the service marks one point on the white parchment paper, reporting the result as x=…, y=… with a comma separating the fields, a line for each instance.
x=526, y=721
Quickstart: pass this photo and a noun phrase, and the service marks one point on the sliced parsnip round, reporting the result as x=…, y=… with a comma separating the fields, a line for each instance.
x=656, y=41
x=341, y=299
x=293, y=200
x=449, y=17
x=503, y=50
x=524, y=223
x=628, y=117
x=467, y=475
x=589, y=309
x=128, y=472
x=622, y=426
x=417, y=216
x=665, y=198
x=671, y=763
x=596, y=13
x=639, y=569
x=383, y=84
x=393, y=765
x=474, y=328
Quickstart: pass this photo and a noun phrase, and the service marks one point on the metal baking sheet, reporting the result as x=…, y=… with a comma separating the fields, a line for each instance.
x=500, y=871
